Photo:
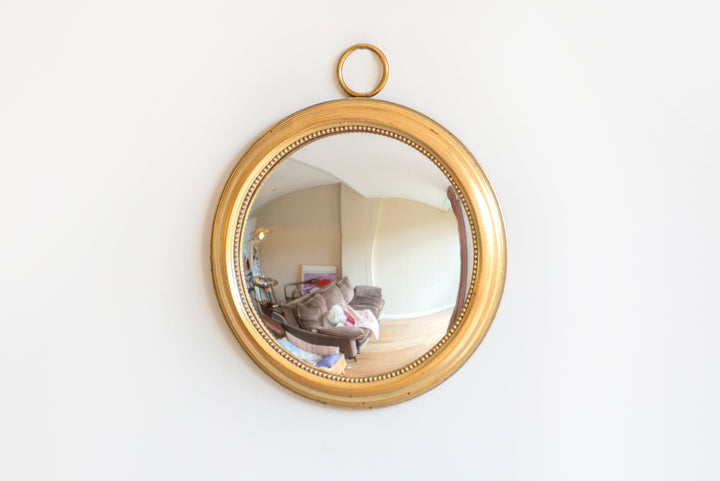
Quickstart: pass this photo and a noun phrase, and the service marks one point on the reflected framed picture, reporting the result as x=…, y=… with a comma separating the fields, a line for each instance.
x=326, y=273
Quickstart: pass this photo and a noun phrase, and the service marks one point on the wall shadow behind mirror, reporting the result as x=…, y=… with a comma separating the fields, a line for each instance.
x=355, y=246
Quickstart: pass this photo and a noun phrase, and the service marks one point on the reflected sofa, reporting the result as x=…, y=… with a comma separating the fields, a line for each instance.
x=304, y=316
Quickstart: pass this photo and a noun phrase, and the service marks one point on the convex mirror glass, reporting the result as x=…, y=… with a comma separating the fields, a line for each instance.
x=372, y=212
x=358, y=251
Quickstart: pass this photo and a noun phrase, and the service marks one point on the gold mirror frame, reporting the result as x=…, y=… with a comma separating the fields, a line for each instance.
x=485, y=225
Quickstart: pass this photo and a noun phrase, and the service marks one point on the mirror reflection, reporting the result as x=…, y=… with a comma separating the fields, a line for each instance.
x=355, y=253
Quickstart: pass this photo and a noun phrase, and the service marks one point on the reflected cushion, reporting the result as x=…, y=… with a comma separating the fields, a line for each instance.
x=310, y=312
x=375, y=304
x=368, y=291
x=346, y=289
x=332, y=296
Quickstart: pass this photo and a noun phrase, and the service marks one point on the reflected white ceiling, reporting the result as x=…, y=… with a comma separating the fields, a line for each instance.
x=290, y=176
x=372, y=165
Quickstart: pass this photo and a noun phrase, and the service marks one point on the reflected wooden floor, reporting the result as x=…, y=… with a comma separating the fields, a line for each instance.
x=401, y=342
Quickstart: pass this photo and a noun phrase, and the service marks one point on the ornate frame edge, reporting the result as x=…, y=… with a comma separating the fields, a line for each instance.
x=489, y=250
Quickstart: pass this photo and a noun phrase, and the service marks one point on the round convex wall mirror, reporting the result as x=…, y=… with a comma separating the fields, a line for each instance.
x=358, y=251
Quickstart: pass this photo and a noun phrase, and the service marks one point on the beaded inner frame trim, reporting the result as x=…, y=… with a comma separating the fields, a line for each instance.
x=240, y=278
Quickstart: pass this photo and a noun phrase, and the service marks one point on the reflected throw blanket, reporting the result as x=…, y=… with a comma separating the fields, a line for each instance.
x=365, y=318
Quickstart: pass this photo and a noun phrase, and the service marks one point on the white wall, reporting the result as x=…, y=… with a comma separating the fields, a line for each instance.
x=409, y=249
x=359, y=224
x=305, y=229
x=596, y=121
x=416, y=258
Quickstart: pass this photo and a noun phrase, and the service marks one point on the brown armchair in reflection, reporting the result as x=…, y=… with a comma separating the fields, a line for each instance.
x=303, y=316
